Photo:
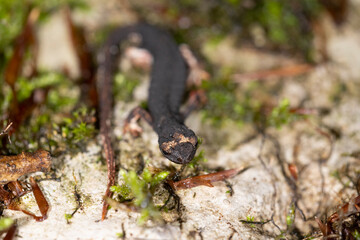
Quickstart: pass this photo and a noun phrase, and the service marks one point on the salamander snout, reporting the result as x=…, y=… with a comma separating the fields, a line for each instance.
x=180, y=149
x=182, y=153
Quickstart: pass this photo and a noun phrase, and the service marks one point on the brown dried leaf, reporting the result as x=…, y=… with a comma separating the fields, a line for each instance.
x=204, y=180
x=293, y=171
x=13, y=167
x=40, y=199
x=13, y=69
x=24, y=40
x=12, y=204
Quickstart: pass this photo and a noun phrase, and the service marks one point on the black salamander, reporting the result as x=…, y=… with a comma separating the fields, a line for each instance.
x=169, y=73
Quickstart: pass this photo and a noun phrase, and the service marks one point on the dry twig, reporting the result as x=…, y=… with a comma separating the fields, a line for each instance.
x=288, y=71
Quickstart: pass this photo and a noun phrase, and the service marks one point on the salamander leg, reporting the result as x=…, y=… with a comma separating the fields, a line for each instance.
x=197, y=74
x=132, y=121
x=196, y=100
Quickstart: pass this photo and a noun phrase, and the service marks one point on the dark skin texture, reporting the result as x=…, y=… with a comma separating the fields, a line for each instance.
x=168, y=80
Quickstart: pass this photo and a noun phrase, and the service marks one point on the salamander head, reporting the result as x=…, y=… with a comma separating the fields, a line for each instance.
x=179, y=147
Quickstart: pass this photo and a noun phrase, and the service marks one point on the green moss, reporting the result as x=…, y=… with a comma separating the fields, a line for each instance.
x=119, y=235
x=124, y=86
x=356, y=235
x=37, y=130
x=12, y=17
x=158, y=178
x=225, y=103
x=139, y=189
x=5, y=223
x=5, y=97
x=47, y=79
x=199, y=158
x=250, y=219
x=64, y=96
x=281, y=115
x=123, y=191
x=290, y=217
x=82, y=131
x=68, y=217
x=77, y=128
x=246, y=104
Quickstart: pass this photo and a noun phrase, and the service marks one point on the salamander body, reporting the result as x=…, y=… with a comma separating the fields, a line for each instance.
x=169, y=72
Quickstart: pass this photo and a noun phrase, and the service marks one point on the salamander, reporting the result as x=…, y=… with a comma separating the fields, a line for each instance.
x=169, y=73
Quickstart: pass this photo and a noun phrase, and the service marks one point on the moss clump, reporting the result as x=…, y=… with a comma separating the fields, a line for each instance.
x=226, y=102
x=5, y=223
x=139, y=190
x=282, y=115
x=46, y=79
x=250, y=219
x=199, y=158
x=290, y=217
x=124, y=86
x=68, y=217
x=77, y=128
